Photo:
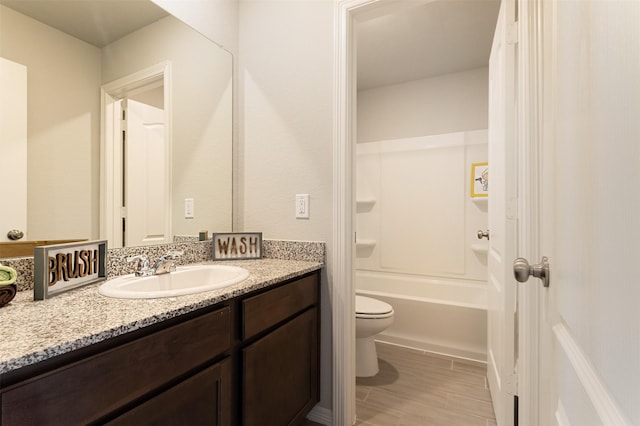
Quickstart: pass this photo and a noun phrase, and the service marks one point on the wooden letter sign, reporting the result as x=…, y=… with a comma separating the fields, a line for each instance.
x=62, y=267
x=242, y=245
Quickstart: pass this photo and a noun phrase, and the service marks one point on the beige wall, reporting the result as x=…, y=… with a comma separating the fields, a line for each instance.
x=63, y=126
x=285, y=143
x=432, y=106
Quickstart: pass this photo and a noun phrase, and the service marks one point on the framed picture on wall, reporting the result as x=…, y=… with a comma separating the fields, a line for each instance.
x=479, y=180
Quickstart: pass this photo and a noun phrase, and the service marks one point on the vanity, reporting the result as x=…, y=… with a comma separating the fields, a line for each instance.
x=243, y=355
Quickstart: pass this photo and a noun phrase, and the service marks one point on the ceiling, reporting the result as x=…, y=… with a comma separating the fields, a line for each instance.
x=403, y=41
x=416, y=39
x=98, y=22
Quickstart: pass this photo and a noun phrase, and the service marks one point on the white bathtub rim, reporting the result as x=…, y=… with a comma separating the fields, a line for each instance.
x=439, y=280
x=479, y=306
x=461, y=293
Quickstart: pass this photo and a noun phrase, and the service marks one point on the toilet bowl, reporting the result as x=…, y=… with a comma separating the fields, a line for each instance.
x=372, y=317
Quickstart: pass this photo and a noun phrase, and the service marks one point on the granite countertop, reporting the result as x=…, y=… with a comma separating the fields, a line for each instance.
x=36, y=331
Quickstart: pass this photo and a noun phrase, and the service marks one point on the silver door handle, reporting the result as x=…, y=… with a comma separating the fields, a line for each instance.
x=483, y=234
x=522, y=270
x=15, y=234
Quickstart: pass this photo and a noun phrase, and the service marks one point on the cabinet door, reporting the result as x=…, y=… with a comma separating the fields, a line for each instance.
x=280, y=383
x=203, y=399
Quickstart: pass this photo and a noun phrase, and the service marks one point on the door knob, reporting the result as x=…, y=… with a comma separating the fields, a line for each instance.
x=15, y=234
x=522, y=270
x=483, y=234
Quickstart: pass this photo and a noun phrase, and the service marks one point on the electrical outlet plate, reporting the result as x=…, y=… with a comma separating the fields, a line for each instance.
x=302, y=206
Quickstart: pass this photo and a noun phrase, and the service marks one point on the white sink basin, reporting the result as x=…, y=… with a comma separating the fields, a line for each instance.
x=185, y=280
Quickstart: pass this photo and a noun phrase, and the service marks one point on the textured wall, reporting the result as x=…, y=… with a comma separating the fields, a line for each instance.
x=285, y=144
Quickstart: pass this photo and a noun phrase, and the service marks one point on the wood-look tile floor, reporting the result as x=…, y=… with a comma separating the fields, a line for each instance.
x=419, y=388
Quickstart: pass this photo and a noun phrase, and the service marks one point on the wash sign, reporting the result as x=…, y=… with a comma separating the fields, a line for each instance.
x=243, y=245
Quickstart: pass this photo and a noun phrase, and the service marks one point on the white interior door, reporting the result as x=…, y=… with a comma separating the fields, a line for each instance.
x=501, y=352
x=13, y=146
x=146, y=189
x=590, y=322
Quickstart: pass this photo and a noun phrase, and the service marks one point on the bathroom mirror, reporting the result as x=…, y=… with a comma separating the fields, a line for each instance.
x=66, y=67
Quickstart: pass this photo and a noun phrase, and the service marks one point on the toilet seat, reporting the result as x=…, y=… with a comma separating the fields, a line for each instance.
x=367, y=307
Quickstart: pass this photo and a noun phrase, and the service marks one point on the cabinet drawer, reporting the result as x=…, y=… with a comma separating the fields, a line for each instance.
x=89, y=389
x=267, y=309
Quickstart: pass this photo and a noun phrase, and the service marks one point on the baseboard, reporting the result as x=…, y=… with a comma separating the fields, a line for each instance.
x=429, y=347
x=321, y=415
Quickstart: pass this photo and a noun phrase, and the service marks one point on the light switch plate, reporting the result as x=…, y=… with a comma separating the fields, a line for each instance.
x=188, y=208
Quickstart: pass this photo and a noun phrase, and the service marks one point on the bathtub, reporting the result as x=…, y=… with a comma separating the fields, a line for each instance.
x=437, y=315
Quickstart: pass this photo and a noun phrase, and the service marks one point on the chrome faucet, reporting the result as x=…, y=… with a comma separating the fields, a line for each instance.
x=165, y=264
x=141, y=265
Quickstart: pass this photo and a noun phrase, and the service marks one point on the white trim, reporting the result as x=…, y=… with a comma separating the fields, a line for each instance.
x=604, y=403
x=529, y=101
x=109, y=192
x=124, y=85
x=343, y=300
x=106, y=157
x=342, y=260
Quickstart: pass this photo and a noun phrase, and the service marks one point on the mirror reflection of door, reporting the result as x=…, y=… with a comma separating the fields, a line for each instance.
x=137, y=160
x=145, y=198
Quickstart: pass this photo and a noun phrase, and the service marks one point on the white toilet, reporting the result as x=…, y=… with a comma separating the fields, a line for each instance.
x=372, y=317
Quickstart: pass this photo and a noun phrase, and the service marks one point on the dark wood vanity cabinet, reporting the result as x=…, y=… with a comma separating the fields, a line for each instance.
x=253, y=361
x=280, y=364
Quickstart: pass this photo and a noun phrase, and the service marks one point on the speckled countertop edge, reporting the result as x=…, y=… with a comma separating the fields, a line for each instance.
x=36, y=331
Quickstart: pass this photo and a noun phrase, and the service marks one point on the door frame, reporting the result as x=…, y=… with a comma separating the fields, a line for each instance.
x=343, y=253
x=110, y=167
x=343, y=233
x=529, y=63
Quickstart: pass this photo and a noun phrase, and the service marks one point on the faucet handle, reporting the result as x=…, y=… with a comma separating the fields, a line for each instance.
x=140, y=260
x=173, y=254
x=166, y=262
x=141, y=264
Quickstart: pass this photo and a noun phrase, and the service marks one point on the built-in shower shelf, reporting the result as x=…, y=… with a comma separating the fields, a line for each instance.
x=480, y=200
x=480, y=248
x=364, y=205
x=365, y=243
